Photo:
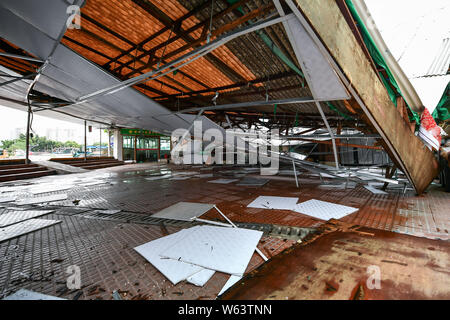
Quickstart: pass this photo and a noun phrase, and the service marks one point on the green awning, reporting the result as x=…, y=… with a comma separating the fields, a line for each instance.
x=379, y=61
x=442, y=111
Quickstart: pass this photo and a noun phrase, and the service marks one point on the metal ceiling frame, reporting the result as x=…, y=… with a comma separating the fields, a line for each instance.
x=193, y=55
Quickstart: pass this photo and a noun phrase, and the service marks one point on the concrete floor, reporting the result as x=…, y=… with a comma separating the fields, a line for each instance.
x=102, y=246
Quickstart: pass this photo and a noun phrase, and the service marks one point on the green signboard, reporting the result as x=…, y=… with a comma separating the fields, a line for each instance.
x=138, y=132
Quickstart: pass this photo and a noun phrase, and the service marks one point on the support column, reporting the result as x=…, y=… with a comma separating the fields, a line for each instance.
x=27, y=148
x=135, y=146
x=159, y=148
x=85, y=141
x=100, y=147
x=118, y=145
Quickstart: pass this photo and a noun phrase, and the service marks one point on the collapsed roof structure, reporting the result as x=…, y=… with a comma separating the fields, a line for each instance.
x=159, y=65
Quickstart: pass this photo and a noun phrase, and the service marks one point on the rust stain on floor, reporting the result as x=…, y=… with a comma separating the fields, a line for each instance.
x=337, y=265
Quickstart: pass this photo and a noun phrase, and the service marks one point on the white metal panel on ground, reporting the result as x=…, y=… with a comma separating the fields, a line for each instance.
x=179, y=178
x=223, y=181
x=184, y=211
x=7, y=199
x=231, y=281
x=223, y=249
x=204, y=175
x=324, y=210
x=350, y=185
x=50, y=188
x=108, y=211
x=269, y=202
x=184, y=173
x=201, y=278
x=92, y=183
x=12, y=217
x=24, y=227
x=51, y=198
x=159, y=177
x=375, y=190
x=252, y=182
x=173, y=270
x=24, y=294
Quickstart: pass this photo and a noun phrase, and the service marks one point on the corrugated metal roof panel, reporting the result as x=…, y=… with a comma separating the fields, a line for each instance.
x=441, y=62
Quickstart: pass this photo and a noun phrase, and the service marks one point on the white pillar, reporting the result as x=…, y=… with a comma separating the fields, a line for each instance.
x=118, y=145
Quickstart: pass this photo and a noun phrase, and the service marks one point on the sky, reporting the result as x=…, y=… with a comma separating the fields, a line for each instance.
x=412, y=29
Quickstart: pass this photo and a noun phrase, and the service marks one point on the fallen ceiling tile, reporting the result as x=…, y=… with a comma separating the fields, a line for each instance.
x=375, y=190
x=231, y=281
x=223, y=249
x=12, y=217
x=24, y=294
x=200, y=278
x=269, y=202
x=223, y=181
x=184, y=211
x=252, y=182
x=24, y=227
x=45, y=189
x=7, y=199
x=173, y=270
x=324, y=210
x=51, y=198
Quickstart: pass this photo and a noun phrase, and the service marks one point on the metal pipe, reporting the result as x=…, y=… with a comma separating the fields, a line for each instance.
x=250, y=104
x=337, y=136
x=295, y=173
x=331, y=134
x=190, y=57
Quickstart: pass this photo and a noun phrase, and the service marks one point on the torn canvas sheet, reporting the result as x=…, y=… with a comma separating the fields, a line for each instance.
x=184, y=211
x=270, y=202
x=223, y=249
x=324, y=210
x=173, y=270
